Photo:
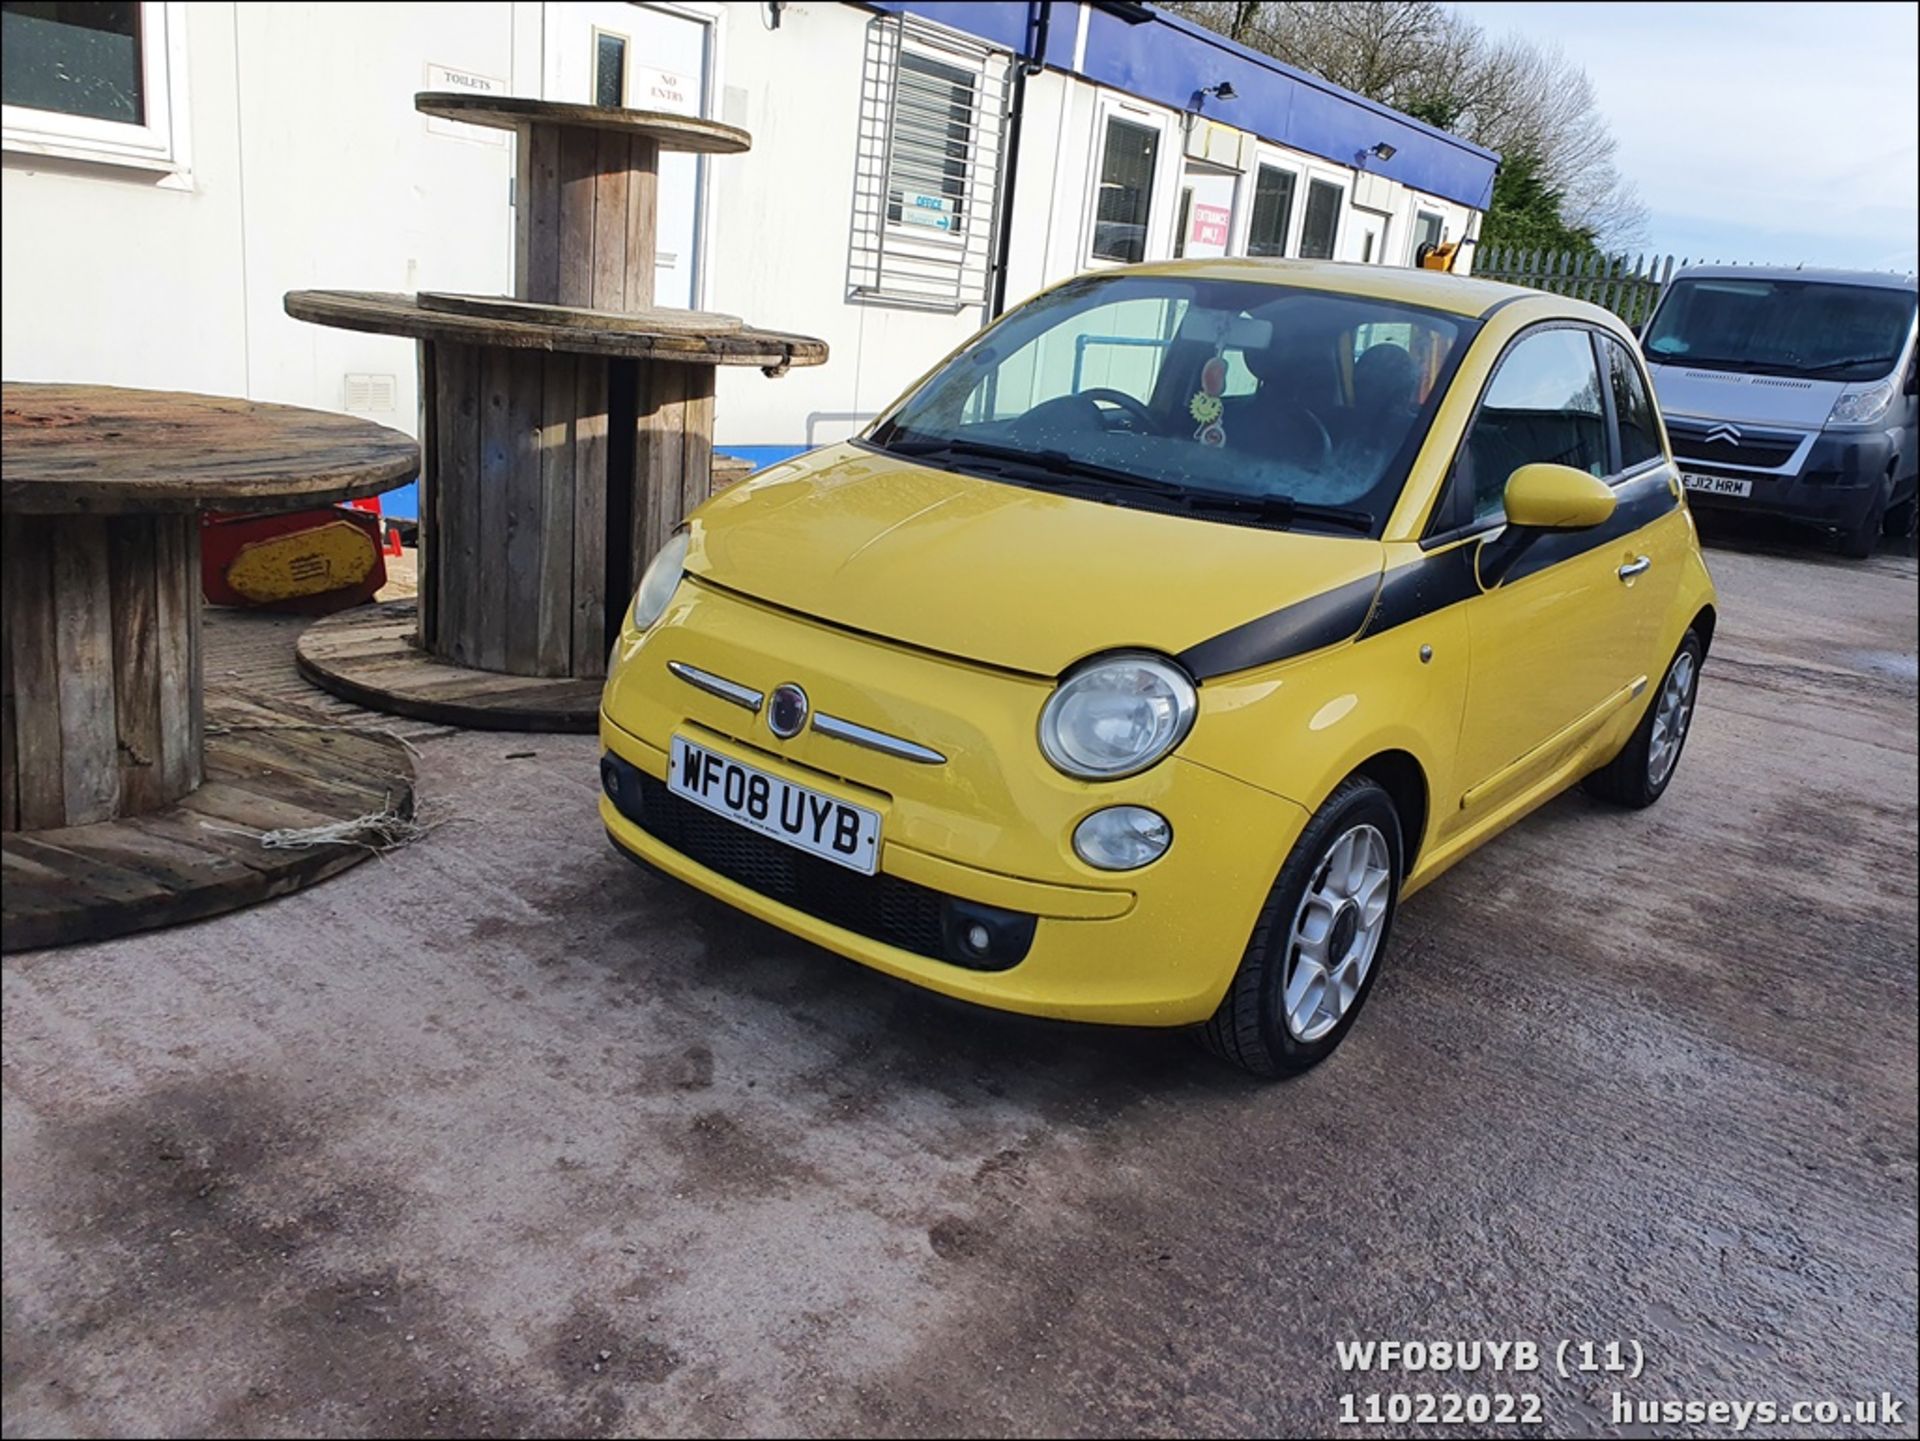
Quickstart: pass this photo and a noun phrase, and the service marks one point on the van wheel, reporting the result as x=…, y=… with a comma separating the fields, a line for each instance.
x=1900, y=518
x=1861, y=542
x=1316, y=949
x=1640, y=774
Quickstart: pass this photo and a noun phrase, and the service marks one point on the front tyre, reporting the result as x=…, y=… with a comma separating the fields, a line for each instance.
x=1864, y=538
x=1640, y=774
x=1316, y=948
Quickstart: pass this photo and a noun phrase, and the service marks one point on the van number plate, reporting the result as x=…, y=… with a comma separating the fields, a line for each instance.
x=835, y=830
x=1716, y=484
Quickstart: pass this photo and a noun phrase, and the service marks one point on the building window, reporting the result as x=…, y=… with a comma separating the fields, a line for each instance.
x=1272, y=211
x=609, y=69
x=927, y=176
x=91, y=81
x=932, y=143
x=1321, y=227
x=1125, y=196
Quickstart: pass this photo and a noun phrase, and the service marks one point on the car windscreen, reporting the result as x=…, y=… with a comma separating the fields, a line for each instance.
x=1801, y=328
x=1233, y=399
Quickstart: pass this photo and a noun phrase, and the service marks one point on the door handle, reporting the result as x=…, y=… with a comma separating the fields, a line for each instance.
x=1639, y=565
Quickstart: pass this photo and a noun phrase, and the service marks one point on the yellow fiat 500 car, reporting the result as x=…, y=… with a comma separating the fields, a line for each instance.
x=1138, y=663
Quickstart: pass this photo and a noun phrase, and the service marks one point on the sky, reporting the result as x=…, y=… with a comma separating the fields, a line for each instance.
x=1778, y=133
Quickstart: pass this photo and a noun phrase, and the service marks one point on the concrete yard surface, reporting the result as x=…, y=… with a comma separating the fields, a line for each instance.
x=501, y=1136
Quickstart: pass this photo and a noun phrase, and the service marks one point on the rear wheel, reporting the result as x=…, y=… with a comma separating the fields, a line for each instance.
x=1640, y=774
x=1316, y=948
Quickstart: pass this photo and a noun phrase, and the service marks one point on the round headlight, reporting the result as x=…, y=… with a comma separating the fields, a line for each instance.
x=1122, y=838
x=659, y=583
x=1116, y=715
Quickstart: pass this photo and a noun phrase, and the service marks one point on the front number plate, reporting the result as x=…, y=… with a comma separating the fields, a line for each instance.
x=835, y=830
x=1716, y=484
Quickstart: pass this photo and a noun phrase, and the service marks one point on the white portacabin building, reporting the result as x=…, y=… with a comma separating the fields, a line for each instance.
x=172, y=168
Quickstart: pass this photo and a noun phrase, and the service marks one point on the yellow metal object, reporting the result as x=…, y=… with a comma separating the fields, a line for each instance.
x=331, y=556
x=943, y=608
x=1556, y=497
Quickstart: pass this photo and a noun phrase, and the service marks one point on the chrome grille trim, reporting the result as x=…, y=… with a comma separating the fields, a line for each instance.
x=743, y=696
x=873, y=740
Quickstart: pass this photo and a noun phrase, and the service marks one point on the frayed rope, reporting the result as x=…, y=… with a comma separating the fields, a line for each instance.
x=377, y=831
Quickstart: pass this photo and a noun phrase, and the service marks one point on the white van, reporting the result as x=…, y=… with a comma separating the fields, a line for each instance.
x=1792, y=392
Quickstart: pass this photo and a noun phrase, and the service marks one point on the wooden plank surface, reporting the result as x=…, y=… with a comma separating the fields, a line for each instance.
x=101, y=638
x=573, y=268
x=178, y=618
x=366, y=655
x=199, y=856
x=588, y=598
x=136, y=664
x=643, y=317
x=38, y=792
x=389, y=314
x=82, y=633
x=455, y=484
x=673, y=464
x=523, y=581
x=486, y=620
x=427, y=529
x=607, y=289
x=107, y=450
x=669, y=131
x=643, y=224
x=553, y=606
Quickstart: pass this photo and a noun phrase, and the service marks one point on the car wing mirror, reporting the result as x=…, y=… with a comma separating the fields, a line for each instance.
x=1540, y=499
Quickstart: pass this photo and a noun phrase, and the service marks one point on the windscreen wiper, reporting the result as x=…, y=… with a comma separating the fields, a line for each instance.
x=1051, y=462
x=1710, y=362
x=1282, y=508
x=1885, y=362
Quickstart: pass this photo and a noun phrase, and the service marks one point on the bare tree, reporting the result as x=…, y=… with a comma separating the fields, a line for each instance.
x=1509, y=94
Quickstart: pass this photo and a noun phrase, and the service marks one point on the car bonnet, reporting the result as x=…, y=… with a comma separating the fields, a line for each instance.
x=1020, y=578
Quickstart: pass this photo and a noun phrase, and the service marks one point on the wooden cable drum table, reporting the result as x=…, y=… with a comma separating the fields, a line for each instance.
x=107, y=772
x=568, y=428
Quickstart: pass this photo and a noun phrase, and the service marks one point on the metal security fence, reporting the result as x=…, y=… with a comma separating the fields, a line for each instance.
x=1628, y=286
x=926, y=203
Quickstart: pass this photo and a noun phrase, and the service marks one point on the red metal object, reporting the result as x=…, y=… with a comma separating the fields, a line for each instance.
x=309, y=562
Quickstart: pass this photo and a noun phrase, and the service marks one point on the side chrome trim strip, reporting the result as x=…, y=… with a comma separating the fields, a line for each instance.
x=873, y=740
x=743, y=696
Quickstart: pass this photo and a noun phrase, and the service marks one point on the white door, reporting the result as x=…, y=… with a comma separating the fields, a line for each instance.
x=1367, y=238
x=643, y=57
x=1205, y=222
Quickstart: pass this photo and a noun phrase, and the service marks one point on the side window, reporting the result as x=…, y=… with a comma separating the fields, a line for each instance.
x=1543, y=406
x=1639, y=431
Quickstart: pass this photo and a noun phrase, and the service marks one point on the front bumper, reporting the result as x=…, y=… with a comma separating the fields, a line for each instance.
x=1159, y=952
x=1834, y=486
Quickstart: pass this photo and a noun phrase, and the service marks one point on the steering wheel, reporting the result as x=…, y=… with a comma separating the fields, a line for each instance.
x=1136, y=409
x=1315, y=443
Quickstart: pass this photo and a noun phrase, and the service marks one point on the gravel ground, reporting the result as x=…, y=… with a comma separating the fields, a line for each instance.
x=501, y=1136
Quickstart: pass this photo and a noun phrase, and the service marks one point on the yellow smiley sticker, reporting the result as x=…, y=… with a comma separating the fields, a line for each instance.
x=1205, y=408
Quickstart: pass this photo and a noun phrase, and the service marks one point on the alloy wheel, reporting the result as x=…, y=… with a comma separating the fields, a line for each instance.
x=1336, y=932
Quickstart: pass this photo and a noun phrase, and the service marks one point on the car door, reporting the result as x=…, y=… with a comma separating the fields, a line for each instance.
x=1558, y=647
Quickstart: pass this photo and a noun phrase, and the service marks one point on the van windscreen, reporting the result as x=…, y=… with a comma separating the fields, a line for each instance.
x=1808, y=328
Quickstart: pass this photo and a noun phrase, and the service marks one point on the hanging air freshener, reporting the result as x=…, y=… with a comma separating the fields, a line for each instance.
x=1206, y=407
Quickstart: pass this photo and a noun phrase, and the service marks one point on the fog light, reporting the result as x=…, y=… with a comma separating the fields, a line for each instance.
x=984, y=938
x=1122, y=838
